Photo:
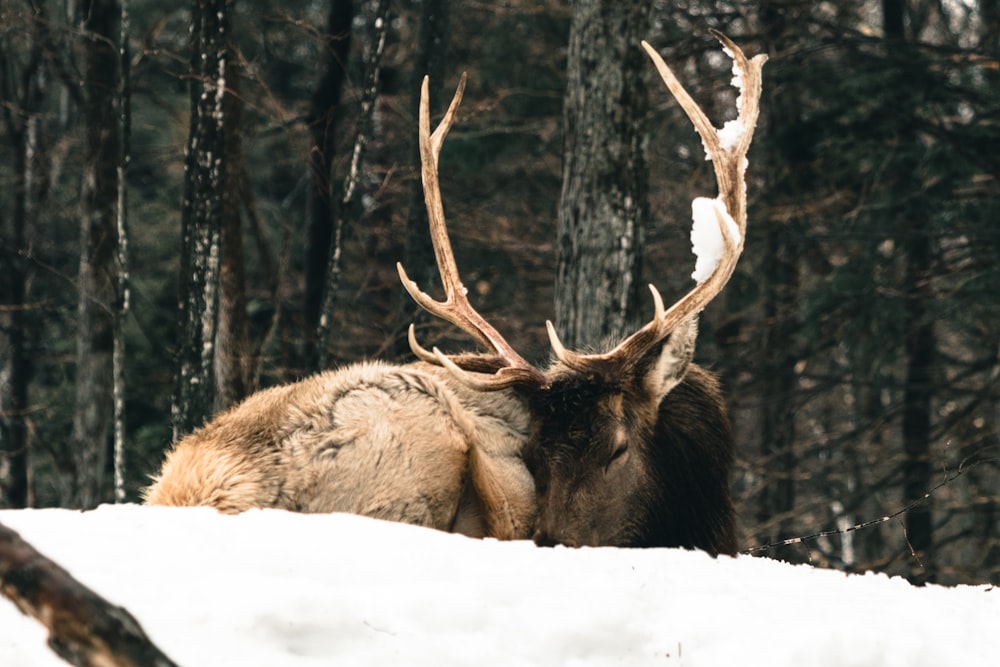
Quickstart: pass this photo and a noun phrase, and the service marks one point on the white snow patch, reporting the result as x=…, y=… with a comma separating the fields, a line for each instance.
x=270, y=588
x=732, y=131
x=730, y=135
x=707, y=242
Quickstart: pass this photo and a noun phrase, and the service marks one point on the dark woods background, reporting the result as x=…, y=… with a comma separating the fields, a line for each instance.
x=858, y=341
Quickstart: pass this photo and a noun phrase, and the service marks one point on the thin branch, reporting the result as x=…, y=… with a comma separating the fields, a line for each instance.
x=962, y=469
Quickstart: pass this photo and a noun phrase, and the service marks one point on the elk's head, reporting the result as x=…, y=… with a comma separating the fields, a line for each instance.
x=632, y=446
x=602, y=468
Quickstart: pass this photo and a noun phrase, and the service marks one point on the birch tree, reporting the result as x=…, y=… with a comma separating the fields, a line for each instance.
x=121, y=251
x=201, y=215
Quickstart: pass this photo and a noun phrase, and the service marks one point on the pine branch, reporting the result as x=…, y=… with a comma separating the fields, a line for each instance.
x=84, y=629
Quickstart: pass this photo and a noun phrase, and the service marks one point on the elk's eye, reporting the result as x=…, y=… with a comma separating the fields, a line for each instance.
x=619, y=452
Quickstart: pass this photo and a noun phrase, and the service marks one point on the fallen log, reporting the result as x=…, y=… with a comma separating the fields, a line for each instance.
x=84, y=629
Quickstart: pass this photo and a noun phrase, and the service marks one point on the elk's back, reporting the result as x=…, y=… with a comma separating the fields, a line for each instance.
x=390, y=442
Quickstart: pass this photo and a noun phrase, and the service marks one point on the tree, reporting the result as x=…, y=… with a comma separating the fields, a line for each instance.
x=432, y=56
x=24, y=91
x=786, y=168
x=915, y=239
x=866, y=145
x=122, y=286
x=92, y=418
x=603, y=205
x=872, y=175
x=324, y=113
x=346, y=200
x=202, y=212
x=233, y=369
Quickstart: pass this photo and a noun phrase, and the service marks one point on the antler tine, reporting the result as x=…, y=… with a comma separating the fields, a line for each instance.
x=729, y=157
x=511, y=368
x=727, y=149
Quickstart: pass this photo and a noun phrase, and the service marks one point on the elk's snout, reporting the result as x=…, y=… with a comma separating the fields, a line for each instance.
x=544, y=538
x=556, y=524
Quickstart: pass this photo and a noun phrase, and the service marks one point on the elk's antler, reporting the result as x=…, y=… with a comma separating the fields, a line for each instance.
x=505, y=367
x=727, y=149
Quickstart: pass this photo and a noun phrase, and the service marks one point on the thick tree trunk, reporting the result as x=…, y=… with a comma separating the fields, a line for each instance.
x=605, y=182
x=201, y=218
x=92, y=419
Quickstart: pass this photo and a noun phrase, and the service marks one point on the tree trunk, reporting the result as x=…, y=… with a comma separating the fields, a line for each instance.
x=14, y=275
x=418, y=258
x=605, y=183
x=121, y=251
x=918, y=388
x=92, y=419
x=779, y=382
x=15, y=369
x=918, y=394
x=22, y=97
x=201, y=216
x=323, y=116
x=346, y=203
x=233, y=363
x=778, y=432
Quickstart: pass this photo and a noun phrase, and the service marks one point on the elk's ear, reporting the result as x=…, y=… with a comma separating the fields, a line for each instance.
x=664, y=366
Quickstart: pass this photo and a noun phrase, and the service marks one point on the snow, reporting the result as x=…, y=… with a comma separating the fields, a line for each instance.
x=270, y=588
x=730, y=134
x=733, y=131
x=709, y=216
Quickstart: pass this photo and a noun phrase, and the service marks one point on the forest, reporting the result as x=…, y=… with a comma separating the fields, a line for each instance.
x=206, y=199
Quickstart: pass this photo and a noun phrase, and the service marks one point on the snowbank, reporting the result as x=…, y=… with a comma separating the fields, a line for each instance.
x=274, y=589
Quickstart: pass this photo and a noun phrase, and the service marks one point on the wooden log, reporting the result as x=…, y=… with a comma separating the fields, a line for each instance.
x=84, y=629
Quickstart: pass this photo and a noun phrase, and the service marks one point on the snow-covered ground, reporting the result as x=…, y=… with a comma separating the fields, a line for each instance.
x=270, y=589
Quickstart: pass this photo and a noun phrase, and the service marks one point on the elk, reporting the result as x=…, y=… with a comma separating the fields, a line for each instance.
x=630, y=447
